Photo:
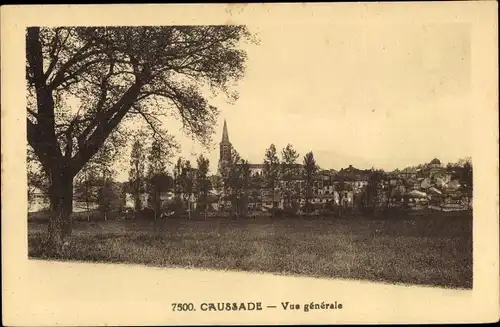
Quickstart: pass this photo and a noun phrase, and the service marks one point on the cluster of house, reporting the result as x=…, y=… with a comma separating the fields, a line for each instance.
x=432, y=186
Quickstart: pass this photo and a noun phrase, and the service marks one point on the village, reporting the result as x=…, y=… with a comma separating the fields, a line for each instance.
x=244, y=189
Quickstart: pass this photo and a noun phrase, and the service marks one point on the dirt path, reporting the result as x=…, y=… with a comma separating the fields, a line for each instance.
x=91, y=294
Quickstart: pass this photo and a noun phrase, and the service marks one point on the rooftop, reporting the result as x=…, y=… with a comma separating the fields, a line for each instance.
x=435, y=161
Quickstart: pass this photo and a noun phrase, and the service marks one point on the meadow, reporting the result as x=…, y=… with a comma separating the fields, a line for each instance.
x=434, y=249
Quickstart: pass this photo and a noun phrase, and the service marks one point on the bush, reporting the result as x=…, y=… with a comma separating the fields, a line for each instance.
x=110, y=200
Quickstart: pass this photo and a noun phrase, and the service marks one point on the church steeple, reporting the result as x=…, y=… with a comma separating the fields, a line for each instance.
x=225, y=150
x=225, y=135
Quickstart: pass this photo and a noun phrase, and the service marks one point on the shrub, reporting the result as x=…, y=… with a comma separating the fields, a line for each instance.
x=110, y=200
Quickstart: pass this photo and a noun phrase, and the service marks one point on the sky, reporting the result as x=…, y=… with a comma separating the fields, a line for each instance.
x=376, y=95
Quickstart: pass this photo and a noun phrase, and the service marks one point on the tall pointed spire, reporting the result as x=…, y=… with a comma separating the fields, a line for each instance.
x=225, y=150
x=225, y=135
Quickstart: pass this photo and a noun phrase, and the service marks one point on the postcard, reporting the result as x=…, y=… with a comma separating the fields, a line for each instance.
x=215, y=164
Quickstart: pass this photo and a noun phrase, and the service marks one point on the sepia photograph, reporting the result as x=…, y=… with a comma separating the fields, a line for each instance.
x=312, y=203
x=327, y=151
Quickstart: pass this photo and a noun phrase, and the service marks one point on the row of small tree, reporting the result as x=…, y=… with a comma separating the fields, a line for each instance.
x=148, y=170
x=279, y=174
x=149, y=175
x=189, y=181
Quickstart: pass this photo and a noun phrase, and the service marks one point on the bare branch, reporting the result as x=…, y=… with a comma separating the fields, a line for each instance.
x=31, y=112
x=148, y=118
x=56, y=50
x=66, y=76
x=108, y=122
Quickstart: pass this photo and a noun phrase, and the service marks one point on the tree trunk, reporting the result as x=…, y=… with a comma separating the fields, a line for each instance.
x=341, y=204
x=137, y=202
x=88, y=210
x=156, y=203
x=61, y=203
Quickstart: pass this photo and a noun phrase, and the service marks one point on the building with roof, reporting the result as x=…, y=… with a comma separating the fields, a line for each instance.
x=435, y=163
x=409, y=173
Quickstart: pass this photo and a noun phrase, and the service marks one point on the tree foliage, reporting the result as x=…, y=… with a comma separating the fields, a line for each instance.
x=272, y=170
x=202, y=181
x=373, y=192
x=110, y=199
x=83, y=81
x=87, y=186
x=236, y=182
x=289, y=173
x=185, y=178
x=159, y=157
x=310, y=169
x=178, y=183
x=158, y=179
x=137, y=173
x=189, y=174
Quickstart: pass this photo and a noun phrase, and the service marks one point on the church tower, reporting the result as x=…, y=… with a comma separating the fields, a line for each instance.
x=225, y=150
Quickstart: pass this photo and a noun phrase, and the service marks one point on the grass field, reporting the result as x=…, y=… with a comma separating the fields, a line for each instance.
x=427, y=250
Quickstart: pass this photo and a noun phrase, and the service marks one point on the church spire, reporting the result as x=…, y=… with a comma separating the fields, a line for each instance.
x=225, y=150
x=225, y=135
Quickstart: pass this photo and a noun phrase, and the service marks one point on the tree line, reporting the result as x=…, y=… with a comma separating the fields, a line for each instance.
x=149, y=175
x=280, y=173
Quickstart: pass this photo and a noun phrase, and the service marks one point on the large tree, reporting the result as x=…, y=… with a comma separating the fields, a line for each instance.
x=85, y=82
